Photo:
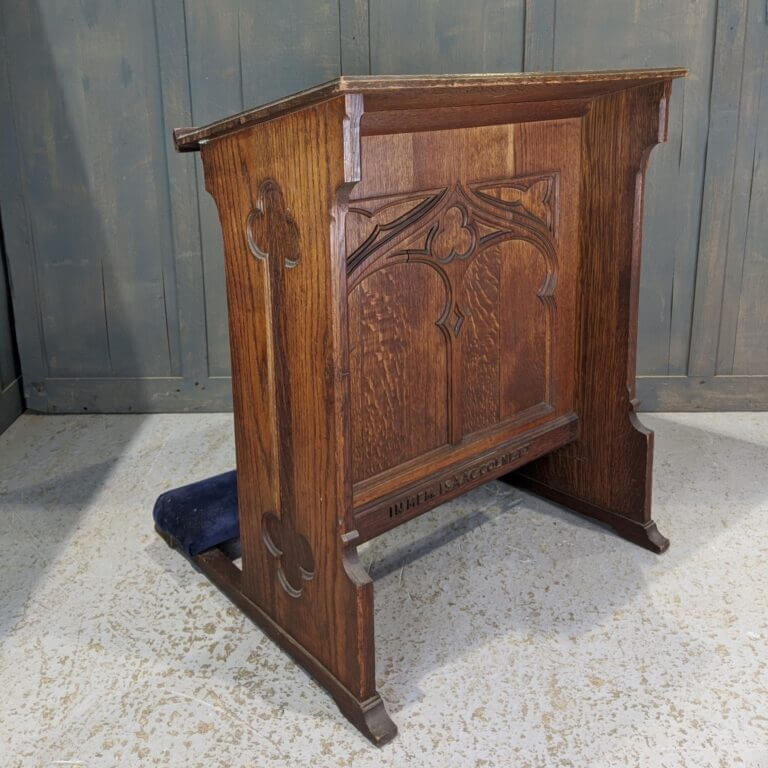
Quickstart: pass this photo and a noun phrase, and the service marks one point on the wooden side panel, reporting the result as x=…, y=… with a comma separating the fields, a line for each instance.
x=606, y=473
x=275, y=187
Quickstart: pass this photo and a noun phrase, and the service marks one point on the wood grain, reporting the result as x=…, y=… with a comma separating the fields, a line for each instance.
x=289, y=361
x=398, y=412
x=416, y=312
x=606, y=473
x=502, y=364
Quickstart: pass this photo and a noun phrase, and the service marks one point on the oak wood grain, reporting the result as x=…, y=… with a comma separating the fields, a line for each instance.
x=274, y=192
x=481, y=209
x=606, y=473
x=417, y=308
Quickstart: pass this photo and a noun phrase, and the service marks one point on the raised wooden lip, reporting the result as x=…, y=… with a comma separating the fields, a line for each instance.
x=509, y=87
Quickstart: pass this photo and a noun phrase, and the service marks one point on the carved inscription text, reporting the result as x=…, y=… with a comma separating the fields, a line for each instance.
x=452, y=482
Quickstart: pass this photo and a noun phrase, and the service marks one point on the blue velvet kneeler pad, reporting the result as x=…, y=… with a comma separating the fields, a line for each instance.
x=200, y=515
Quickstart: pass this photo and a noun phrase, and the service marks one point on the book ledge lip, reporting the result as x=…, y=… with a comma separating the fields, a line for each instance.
x=551, y=85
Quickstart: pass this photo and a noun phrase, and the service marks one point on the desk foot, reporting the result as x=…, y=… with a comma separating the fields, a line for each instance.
x=644, y=534
x=370, y=716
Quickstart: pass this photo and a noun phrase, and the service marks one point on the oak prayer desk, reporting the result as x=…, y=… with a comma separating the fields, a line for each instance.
x=432, y=283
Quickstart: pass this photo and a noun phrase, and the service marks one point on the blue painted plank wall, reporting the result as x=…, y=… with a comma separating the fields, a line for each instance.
x=114, y=248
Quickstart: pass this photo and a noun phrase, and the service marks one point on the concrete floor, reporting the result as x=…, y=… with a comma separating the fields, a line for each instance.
x=508, y=631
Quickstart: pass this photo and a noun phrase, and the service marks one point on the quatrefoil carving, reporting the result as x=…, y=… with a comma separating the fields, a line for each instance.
x=453, y=238
x=292, y=552
x=270, y=229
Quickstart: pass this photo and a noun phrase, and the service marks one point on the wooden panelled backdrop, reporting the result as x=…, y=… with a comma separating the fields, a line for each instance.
x=114, y=248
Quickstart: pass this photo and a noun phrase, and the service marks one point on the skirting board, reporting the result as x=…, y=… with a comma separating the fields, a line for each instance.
x=130, y=395
x=11, y=404
x=694, y=393
x=177, y=395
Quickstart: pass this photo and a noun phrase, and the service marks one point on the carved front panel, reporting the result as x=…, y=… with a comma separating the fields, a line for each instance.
x=453, y=313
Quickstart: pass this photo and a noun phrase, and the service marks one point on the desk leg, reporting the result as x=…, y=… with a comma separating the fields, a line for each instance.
x=606, y=472
x=604, y=477
x=275, y=188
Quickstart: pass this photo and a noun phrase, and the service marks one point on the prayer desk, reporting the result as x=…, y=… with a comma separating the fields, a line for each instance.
x=432, y=283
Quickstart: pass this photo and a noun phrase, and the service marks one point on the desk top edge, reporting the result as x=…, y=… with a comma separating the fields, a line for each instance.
x=551, y=85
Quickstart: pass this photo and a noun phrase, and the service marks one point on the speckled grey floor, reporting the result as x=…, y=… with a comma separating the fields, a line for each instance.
x=508, y=631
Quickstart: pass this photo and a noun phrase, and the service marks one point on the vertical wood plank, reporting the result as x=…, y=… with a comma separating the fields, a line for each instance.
x=16, y=230
x=746, y=227
x=626, y=33
x=540, y=26
x=751, y=343
x=170, y=19
x=215, y=90
x=354, y=48
x=84, y=82
x=718, y=185
x=117, y=51
x=11, y=403
x=426, y=36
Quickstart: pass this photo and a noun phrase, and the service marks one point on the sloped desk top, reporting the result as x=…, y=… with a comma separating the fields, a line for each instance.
x=384, y=92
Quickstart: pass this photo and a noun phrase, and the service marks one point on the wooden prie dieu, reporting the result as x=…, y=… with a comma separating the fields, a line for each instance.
x=432, y=283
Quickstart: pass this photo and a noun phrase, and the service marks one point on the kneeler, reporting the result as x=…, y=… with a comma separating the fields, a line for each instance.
x=432, y=283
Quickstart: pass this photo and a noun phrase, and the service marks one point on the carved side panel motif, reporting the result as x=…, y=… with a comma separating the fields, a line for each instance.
x=451, y=314
x=292, y=551
x=271, y=229
x=272, y=236
x=532, y=196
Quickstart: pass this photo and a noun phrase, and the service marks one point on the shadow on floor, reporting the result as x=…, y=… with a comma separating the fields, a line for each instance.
x=74, y=463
